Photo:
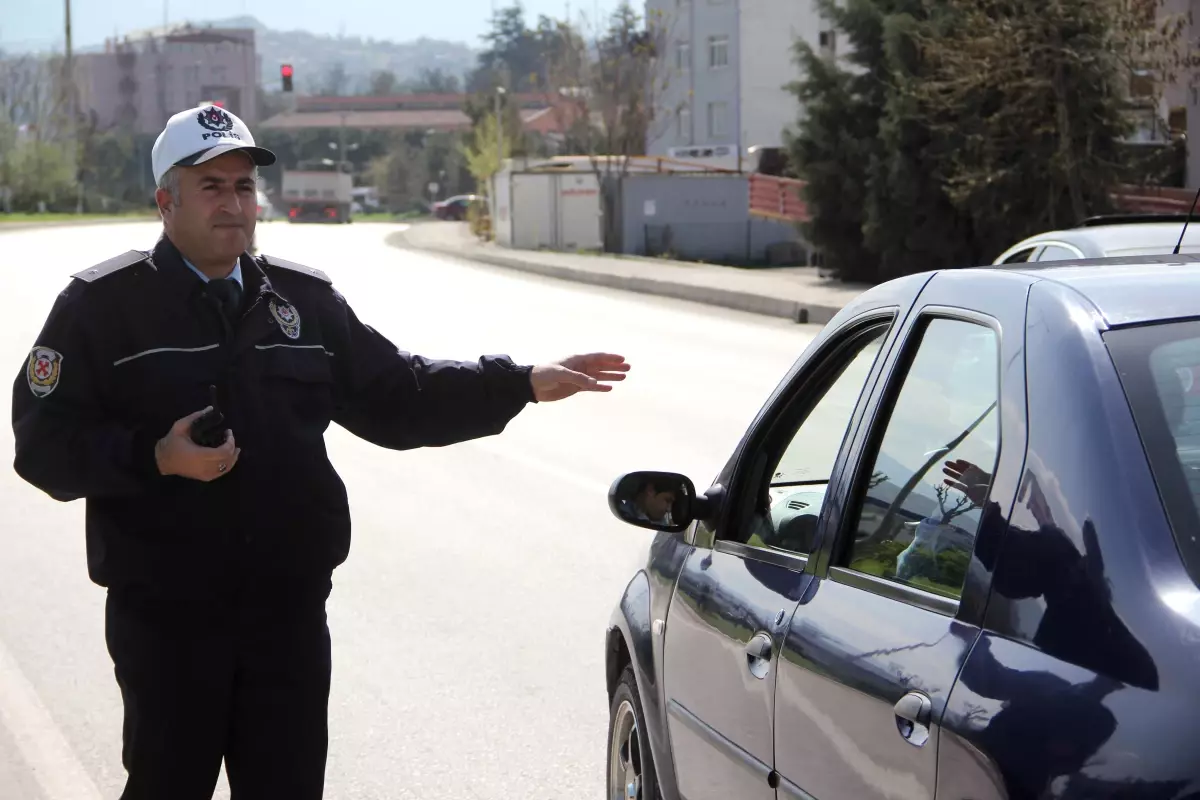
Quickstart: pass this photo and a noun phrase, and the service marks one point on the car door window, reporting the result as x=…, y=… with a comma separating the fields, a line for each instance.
x=1020, y=257
x=918, y=513
x=789, y=496
x=1056, y=252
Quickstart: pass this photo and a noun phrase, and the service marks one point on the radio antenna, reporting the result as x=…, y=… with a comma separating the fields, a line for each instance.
x=1191, y=211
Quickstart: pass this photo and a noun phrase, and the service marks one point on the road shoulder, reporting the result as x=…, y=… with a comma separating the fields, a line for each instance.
x=798, y=294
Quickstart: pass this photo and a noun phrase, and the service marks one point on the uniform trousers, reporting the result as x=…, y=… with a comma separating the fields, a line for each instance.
x=244, y=680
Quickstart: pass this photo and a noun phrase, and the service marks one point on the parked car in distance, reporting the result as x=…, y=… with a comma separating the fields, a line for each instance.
x=956, y=554
x=1115, y=236
x=454, y=208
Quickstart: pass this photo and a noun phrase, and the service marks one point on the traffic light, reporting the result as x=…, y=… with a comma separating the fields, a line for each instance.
x=285, y=72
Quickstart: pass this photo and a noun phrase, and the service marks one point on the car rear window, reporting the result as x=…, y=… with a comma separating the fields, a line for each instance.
x=1159, y=367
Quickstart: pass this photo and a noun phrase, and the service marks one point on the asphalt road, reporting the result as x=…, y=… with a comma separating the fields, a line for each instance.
x=468, y=621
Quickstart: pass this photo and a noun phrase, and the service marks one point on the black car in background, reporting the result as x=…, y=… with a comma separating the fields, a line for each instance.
x=454, y=208
x=956, y=555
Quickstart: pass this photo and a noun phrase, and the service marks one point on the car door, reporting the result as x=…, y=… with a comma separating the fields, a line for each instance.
x=746, y=572
x=878, y=637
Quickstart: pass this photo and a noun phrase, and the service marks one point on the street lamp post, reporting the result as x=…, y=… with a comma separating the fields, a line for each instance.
x=499, y=130
x=342, y=144
x=342, y=149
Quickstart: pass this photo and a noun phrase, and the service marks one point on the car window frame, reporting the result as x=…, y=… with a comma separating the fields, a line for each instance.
x=888, y=387
x=815, y=370
x=1037, y=257
x=1034, y=249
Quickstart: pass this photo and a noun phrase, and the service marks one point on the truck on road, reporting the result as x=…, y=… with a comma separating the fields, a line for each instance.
x=317, y=195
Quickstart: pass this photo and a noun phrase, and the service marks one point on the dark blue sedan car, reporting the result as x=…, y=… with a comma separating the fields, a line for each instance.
x=956, y=555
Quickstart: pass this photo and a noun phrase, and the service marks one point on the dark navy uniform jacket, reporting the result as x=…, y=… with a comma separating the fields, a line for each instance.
x=133, y=344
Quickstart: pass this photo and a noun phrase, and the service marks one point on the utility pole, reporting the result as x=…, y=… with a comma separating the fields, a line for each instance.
x=72, y=115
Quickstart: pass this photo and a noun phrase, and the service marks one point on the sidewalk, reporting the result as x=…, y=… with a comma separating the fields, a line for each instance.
x=71, y=223
x=798, y=293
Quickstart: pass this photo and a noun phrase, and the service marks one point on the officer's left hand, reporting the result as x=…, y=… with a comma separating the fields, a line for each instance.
x=587, y=373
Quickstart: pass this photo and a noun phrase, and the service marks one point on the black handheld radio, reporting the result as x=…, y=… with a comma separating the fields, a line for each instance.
x=209, y=429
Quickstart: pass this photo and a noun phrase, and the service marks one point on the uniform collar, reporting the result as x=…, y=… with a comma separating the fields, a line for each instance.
x=235, y=275
x=170, y=264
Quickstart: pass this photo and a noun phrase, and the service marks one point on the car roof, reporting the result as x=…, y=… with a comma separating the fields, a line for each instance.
x=1130, y=239
x=1126, y=291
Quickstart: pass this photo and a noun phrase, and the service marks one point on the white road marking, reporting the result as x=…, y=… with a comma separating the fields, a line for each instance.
x=51, y=760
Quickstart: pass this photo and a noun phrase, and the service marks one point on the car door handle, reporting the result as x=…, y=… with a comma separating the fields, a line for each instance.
x=758, y=655
x=914, y=712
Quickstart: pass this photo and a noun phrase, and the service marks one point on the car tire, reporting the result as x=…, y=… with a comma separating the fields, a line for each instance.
x=630, y=766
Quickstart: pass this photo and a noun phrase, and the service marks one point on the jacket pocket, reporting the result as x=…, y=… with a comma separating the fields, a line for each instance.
x=297, y=389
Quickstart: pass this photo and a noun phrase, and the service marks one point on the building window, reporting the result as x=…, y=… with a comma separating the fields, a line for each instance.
x=828, y=40
x=717, y=112
x=718, y=52
x=683, y=123
x=683, y=56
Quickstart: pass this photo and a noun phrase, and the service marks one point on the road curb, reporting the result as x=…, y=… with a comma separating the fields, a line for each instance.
x=6, y=227
x=796, y=311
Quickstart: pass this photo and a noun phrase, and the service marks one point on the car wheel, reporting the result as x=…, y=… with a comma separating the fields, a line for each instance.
x=631, y=773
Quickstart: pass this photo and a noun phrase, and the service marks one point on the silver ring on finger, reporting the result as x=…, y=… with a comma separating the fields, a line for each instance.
x=220, y=467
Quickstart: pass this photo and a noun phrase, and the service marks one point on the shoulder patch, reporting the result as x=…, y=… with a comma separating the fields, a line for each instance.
x=115, y=264
x=312, y=272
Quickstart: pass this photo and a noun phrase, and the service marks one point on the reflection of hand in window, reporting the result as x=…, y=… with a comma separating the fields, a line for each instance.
x=968, y=479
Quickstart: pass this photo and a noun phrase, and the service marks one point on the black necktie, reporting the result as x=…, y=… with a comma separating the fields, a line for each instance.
x=228, y=294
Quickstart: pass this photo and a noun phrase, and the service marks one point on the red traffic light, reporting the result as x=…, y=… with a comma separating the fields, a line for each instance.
x=286, y=71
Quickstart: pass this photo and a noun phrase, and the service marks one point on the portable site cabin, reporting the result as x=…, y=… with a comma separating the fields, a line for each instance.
x=555, y=203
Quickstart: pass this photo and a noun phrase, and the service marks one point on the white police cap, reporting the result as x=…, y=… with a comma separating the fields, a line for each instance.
x=194, y=136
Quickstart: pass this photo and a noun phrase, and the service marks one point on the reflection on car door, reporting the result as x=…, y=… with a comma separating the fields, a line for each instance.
x=876, y=643
x=739, y=586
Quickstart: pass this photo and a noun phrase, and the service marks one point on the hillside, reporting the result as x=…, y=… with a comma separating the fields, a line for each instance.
x=315, y=57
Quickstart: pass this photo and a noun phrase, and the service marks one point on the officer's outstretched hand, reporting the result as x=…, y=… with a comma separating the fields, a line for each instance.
x=177, y=454
x=587, y=373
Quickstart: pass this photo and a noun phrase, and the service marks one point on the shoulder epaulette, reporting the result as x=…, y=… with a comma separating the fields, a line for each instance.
x=312, y=272
x=115, y=264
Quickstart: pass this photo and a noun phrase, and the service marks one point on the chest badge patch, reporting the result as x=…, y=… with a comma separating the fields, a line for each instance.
x=288, y=318
x=43, y=370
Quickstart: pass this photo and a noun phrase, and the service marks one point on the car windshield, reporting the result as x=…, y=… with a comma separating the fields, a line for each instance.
x=1159, y=367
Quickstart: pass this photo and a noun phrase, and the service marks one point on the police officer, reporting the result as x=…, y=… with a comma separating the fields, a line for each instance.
x=216, y=531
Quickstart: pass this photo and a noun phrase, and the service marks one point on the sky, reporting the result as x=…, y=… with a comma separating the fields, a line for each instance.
x=38, y=24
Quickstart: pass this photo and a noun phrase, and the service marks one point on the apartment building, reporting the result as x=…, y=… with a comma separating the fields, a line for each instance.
x=1181, y=100
x=139, y=81
x=729, y=62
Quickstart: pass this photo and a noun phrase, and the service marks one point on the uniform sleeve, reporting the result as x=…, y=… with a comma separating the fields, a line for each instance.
x=403, y=401
x=66, y=443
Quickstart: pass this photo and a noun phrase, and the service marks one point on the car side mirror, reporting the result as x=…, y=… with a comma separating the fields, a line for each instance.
x=660, y=501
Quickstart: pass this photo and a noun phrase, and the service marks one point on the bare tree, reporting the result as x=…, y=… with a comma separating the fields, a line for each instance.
x=34, y=131
x=961, y=505
x=608, y=88
x=33, y=95
x=1152, y=42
